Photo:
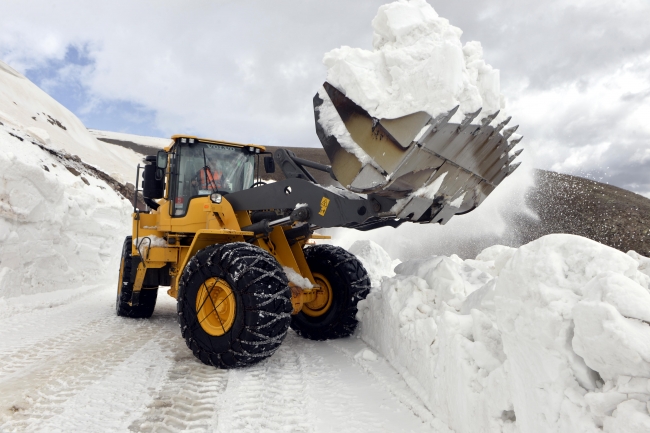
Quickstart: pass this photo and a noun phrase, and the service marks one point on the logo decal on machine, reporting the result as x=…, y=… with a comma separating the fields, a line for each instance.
x=324, y=202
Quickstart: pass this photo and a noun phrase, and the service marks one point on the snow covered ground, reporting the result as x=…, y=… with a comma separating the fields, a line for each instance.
x=68, y=364
x=553, y=336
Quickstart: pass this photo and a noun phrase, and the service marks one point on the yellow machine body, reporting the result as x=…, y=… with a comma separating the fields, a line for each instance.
x=206, y=223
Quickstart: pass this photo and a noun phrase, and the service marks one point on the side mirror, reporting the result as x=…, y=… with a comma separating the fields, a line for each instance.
x=269, y=164
x=161, y=159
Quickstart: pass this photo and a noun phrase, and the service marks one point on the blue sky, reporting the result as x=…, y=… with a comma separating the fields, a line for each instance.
x=60, y=79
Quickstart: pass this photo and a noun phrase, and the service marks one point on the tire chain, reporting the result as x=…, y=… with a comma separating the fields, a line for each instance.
x=147, y=297
x=250, y=264
x=347, y=264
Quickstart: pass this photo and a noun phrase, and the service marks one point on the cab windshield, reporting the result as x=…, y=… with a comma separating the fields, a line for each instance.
x=198, y=169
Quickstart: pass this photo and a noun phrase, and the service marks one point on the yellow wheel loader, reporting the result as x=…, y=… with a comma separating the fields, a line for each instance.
x=239, y=255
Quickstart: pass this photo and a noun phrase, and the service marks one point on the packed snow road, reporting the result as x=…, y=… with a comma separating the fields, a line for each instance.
x=72, y=365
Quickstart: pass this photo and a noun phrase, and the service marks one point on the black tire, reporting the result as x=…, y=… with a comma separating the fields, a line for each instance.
x=148, y=296
x=262, y=305
x=350, y=284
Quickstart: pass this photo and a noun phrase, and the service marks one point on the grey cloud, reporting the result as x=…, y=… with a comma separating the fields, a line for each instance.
x=635, y=96
x=247, y=70
x=552, y=42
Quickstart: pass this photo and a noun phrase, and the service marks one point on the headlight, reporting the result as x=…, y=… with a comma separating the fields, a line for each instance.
x=215, y=197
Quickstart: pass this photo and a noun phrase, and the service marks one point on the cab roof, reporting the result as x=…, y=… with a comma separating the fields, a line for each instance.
x=208, y=140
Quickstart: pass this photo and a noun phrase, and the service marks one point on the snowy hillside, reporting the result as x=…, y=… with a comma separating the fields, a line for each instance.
x=61, y=222
x=27, y=108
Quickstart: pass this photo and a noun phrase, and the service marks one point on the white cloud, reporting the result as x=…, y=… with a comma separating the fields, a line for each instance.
x=575, y=73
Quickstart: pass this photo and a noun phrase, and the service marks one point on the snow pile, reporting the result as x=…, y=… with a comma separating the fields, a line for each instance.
x=552, y=336
x=418, y=64
x=60, y=225
x=376, y=261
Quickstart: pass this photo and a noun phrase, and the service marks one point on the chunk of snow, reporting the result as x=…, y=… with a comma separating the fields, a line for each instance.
x=459, y=201
x=367, y=354
x=418, y=63
x=430, y=191
x=149, y=242
x=331, y=122
x=297, y=279
x=375, y=260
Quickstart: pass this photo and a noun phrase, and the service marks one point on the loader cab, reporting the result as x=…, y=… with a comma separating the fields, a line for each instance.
x=200, y=167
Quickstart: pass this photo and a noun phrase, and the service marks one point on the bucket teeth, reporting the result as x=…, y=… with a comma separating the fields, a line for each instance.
x=451, y=113
x=508, y=132
x=488, y=119
x=512, y=168
x=515, y=141
x=415, y=151
x=444, y=118
x=501, y=125
x=468, y=119
x=516, y=154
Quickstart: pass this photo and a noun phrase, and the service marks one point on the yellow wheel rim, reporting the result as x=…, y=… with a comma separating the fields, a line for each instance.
x=323, y=301
x=215, y=306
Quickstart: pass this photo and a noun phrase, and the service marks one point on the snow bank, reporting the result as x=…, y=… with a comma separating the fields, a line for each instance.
x=60, y=226
x=552, y=336
x=418, y=64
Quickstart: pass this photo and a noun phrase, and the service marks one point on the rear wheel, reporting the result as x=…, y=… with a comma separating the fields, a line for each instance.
x=344, y=282
x=234, y=305
x=147, y=301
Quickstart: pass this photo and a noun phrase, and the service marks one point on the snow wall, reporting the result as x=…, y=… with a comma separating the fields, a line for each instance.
x=61, y=227
x=551, y=337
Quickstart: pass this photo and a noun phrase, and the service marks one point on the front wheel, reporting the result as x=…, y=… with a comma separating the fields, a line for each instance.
x=343, y=283
x=234, y=305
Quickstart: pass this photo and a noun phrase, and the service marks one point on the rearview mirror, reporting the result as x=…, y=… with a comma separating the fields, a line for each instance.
x=161, y=159
x=269, y=164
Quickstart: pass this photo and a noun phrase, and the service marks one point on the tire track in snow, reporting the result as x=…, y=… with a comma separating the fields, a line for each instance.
x=109, y=404
x=336, y=402
x=34, y=355
x=269, y=396
x=187, y=400
x=26, y=329
x=41, y=393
